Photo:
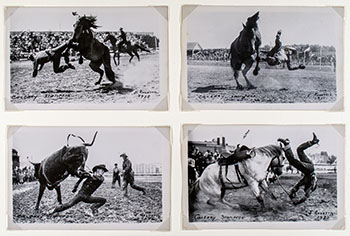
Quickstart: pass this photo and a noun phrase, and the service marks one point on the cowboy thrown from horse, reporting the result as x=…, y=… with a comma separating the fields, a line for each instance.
x=90, y=185
x=305, y=165
x=52, y=55
x=272, y=54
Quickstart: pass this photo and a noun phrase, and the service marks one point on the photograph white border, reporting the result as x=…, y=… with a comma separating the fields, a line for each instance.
x=334, y=224
x=164, y=132
x=338, y=105
x=160, y=105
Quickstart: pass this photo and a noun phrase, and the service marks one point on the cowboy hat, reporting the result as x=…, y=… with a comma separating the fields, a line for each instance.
x=123, y=155
x=102, y=167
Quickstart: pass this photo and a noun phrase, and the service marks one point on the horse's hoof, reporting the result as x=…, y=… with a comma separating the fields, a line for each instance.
x=97, y=83
x=239, y=87
x=301, y=67
x=251, y=87
x=256, y=72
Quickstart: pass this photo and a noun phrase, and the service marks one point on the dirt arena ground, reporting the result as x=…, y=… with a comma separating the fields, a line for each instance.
x=212, y=82
x=140, y=81
x=137, y=208
x=321, y=206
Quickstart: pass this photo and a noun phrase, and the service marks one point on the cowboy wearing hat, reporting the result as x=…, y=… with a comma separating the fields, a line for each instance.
x=90, y=185
x=123, y=39
x=128, y=176
x=115, y=175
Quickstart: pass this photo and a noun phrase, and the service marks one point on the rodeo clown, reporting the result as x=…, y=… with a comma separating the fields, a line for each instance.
x=90, y=185
x=128, y=176
x=305, y=165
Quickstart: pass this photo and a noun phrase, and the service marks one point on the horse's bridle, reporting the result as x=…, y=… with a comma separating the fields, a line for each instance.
x=280, y=163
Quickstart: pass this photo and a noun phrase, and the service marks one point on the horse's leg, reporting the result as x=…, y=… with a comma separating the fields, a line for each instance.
x=59, y=196
x=266, y=188
x=95, y=66
x=131, y=56
x=35, y=68
x=248, y=64
x=114, y=55
x=256, y=191
x=137, y=55
x=41, y=192
x=257, y=49
x=236, y=75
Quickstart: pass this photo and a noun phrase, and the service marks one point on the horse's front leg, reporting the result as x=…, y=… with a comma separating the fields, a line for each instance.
x=257, y=59
x=256, y=191
x=266, y=188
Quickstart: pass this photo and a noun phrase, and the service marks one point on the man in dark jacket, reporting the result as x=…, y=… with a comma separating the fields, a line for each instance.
x=90, y=185
x=305, y=165
x=128, y=176
x=115, y=175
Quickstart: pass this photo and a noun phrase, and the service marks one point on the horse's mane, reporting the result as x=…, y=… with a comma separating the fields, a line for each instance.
x=270, y=150
x=92, y=20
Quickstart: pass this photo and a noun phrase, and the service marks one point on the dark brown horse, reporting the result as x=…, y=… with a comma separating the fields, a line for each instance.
x=129, y=48
x=92, y=49
x=243, y=49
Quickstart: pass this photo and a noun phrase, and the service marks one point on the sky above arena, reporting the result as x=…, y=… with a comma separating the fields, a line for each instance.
x=132, y=19
x=217, y=27
x=330, y=139
x=142, y=145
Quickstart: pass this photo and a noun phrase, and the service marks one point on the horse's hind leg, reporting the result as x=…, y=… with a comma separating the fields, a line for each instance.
x=236, y=75
x=35, y=68
x=59, y=196
x=114, y=56
x=137, y=55
x=247, y=67
x=131, y=56
x=41, y=192
x=95, y=66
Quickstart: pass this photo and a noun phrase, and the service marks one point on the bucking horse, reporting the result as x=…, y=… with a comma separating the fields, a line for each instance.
x=244, y=48
x=92, y=49
x=69, y=160
x=218, y=177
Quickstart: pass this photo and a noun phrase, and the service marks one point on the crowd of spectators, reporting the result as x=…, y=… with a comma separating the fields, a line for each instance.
x=24, y=43
x=198, y=161
x=20, y=176
x=210, y=54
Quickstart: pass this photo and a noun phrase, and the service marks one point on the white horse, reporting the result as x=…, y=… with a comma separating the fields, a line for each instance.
x=210, y=187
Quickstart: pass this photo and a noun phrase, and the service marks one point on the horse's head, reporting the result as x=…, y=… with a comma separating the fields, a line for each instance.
x=82, y=24
x=276, y=156
x=277, y=161
x=252, y=22
x=76, y=156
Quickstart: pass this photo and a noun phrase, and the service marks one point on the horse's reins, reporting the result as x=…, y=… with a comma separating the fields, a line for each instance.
x=279, y=183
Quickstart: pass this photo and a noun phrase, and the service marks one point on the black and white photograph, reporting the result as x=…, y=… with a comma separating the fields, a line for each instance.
x=262, y=58
x=263, y=176
x=86, y=58
x=89, y=178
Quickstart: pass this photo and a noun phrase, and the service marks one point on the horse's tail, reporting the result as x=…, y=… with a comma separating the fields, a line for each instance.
x=142, y=48
x=36, y=168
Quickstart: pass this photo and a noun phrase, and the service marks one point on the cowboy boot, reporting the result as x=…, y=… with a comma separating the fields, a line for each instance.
x=284, y=141
x=314, y=140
